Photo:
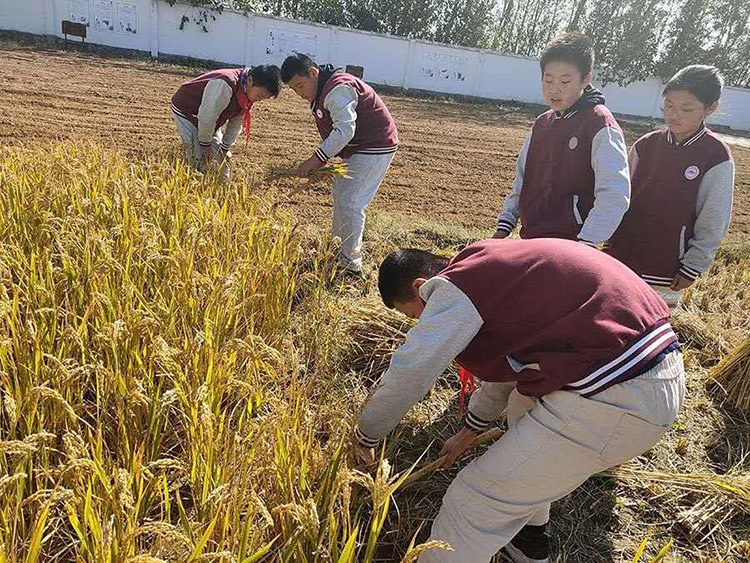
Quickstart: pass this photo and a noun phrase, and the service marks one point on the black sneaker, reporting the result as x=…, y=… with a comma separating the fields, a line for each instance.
x=530, y=545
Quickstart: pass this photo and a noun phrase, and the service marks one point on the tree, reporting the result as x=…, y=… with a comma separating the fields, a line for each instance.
x=634, y=39
x=625, y=34
x=463, y=22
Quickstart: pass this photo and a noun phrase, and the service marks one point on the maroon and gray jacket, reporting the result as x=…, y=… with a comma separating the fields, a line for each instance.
x=681, y=206
x=351, y=118
x=545, y=314
x=572, y=177
x=189, y=97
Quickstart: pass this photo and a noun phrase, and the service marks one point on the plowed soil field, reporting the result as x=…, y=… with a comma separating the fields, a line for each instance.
x=455, y=164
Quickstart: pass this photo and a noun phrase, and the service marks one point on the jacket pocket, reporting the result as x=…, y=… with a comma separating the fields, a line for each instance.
x=682, y=242
x=518, y=367
x=576, y=212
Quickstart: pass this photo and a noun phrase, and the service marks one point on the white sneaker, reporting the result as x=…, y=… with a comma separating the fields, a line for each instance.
x=517, y=555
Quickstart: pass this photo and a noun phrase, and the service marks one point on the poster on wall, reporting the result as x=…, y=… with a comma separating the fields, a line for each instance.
x=104, y=15
x=126, y=18
x=459, y=68
x=444, y=67
x=79, y=11
x=428, y=65
x=281, y=43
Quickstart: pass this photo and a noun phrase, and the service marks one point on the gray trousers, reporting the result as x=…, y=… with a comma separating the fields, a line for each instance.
x=189, y=135
x=351, y=196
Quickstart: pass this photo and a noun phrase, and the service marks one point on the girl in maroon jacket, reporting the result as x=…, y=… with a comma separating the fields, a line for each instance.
x=682, y=189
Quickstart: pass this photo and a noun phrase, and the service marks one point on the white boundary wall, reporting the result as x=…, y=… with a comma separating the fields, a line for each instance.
x=249, y=39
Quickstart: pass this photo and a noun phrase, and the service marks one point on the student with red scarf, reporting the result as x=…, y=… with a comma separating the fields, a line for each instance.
x=201, y=106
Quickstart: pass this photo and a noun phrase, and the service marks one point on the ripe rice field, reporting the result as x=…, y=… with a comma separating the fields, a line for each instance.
x=180, y=366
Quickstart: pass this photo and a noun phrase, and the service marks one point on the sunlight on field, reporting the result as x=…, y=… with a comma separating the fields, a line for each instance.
x=180, y=370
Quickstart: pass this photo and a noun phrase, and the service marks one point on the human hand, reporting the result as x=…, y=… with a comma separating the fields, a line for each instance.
x=364, y=458
x=312, y=163
x=455, y=447
x=680, y=282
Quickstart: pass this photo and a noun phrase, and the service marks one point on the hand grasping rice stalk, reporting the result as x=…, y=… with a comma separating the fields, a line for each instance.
x=324, y=175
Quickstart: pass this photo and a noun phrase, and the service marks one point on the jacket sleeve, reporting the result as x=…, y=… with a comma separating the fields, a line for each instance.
x=508, y=217
x=342, y=102
x=234, y=126
x=487, y=403
x=713, y=211
x=447, y=325
x=216, y=98
x=609, y=159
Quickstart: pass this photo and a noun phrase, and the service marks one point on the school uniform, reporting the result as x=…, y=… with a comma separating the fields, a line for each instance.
x=590, y=372
x=355, y=125
x=572, y=177
x=201, y=106
x=680, y=210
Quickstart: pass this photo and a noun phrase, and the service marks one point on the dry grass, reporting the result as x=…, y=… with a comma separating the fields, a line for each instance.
x=732, y=374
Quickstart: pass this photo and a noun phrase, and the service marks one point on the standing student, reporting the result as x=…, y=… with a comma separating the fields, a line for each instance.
x=683, y=183
x=591, y=375
x=201, y=106
x=355, y=125
x=572, y=173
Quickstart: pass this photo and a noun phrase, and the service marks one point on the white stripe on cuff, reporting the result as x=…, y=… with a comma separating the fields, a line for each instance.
x=364, y=440
x=473, y=422
x=689, y=272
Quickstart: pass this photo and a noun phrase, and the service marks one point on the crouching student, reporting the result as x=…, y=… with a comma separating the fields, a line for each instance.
x=355, y=125
x=201, y=106
x=572, y=172
x=591, y=375
x=683, y=183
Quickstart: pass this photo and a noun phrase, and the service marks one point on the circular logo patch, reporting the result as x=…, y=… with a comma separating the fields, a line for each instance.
x=319, y=113
x=573, y=143
x=691, y=172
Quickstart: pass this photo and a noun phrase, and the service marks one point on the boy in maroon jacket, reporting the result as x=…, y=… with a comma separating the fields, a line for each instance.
x=683, y=185
x=354, y=124
x=591, y=376
x=201, y=106
x=572, y=177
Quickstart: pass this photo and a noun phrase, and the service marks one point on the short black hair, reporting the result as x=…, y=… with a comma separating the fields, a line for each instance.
x=297, y=64
x=571, y=48
x=702, y=81
x=268, y=77
x=399, y=270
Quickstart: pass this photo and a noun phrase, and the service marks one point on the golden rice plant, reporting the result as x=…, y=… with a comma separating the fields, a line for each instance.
x=713, y=318
x=659, y=556
x=324, y=173
x=157, y=402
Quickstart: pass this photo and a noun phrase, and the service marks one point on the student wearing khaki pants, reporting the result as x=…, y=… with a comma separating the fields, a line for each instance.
x=574, y=345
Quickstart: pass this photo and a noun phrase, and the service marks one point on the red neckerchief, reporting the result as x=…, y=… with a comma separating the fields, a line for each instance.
x=246, y=105
x=467, y=384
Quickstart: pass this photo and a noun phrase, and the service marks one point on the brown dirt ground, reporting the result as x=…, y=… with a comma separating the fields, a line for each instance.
x=455, y=164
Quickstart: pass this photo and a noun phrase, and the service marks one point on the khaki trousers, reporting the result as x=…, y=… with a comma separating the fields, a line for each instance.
x=552, y=446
